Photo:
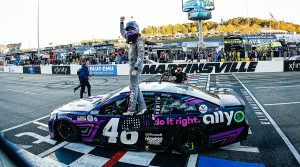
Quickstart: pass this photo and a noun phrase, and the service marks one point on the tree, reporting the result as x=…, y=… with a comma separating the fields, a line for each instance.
x=185, y=30
x=194, y=30
x=230, y=26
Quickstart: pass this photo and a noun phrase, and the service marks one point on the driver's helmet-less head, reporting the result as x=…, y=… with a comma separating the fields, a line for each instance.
x=132, y=28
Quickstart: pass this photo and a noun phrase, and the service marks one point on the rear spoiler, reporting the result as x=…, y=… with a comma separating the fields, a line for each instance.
x=231, y=101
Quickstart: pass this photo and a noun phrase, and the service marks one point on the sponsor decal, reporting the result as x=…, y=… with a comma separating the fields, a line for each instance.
x=94, y=112
x=81, y=118
x=32, y=70
x=103, y=70
x=218, y=117
x=65, y=70
x=291, y=65
x=203, y=109
x=153, y=139
x=228, y=67
x=158, y=103
x=184, y=122
x=90, y=118
x=239, y=116
x=95, y=119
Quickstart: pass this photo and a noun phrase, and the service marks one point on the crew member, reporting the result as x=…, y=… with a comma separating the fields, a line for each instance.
x=79, y=86
x=136, y=58
x=180, y=75
x=84, y=79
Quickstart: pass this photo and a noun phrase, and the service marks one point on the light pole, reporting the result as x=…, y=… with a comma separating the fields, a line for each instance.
x=247, y=40
x=248, y=17
x=200, y=35
x=38, y=28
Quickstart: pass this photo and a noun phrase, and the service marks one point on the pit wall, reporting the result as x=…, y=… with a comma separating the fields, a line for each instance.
x=156, y=69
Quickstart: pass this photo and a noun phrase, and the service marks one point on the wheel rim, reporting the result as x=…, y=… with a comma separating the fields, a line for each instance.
x=67, y=131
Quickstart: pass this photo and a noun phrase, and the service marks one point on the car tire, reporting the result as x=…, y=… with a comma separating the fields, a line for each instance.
x=191, y=141
x=68, y=131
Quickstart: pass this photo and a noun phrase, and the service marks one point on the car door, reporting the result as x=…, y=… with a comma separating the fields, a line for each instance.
x=117, y=129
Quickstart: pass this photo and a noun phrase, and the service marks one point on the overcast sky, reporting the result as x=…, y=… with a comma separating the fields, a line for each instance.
x=66, y=21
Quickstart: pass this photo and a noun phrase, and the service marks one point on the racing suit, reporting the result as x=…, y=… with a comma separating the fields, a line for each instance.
x=136, y=58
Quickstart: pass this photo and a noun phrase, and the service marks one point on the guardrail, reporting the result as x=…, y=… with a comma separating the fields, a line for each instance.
x=153, y=69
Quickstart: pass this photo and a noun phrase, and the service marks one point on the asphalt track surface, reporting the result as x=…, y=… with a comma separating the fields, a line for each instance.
x=272, y=110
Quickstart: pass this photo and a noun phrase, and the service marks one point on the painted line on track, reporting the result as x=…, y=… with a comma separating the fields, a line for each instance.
x=137, y=158
x=41, y=124
x=273, y=87
x=26, y=123
x=192, y=160
x=114, y=159
x=278, y=104
x=47, y=152
x=277, y=128
x=208, y=83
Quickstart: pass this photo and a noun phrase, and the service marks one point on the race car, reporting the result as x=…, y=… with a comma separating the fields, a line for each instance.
x=179, y=116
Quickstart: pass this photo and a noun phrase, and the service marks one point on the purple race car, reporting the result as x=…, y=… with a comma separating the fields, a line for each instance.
x=184, y=116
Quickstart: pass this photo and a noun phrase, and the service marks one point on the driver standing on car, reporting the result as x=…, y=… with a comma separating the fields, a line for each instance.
x=180, y=75
x=136, y=58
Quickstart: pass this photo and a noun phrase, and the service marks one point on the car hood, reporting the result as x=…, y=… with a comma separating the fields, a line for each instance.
x=83, y=105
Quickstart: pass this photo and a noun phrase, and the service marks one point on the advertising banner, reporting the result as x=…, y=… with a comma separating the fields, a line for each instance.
x=291, y=66
x=64, y=70
x=32, y=69
x=103, y=70
x=197, y=5
x=210, y=68
x=203, y=15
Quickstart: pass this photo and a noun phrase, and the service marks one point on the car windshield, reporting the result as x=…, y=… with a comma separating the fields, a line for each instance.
x=109, y=95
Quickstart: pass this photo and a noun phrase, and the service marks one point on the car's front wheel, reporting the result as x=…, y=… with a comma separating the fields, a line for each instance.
x=68, y=131
x=191, y=141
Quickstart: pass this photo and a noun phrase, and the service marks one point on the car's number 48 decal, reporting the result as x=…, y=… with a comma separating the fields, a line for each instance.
x=111, y=131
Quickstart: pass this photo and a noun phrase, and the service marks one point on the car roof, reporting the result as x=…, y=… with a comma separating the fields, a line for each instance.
x=168, y=87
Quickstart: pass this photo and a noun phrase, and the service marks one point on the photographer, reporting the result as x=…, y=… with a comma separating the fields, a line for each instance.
x=179, y=75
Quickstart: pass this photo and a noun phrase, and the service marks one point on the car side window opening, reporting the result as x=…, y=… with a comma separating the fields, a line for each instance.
x=116, y=107
x=150, y=101
x=175, y=105
x=121, y=105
